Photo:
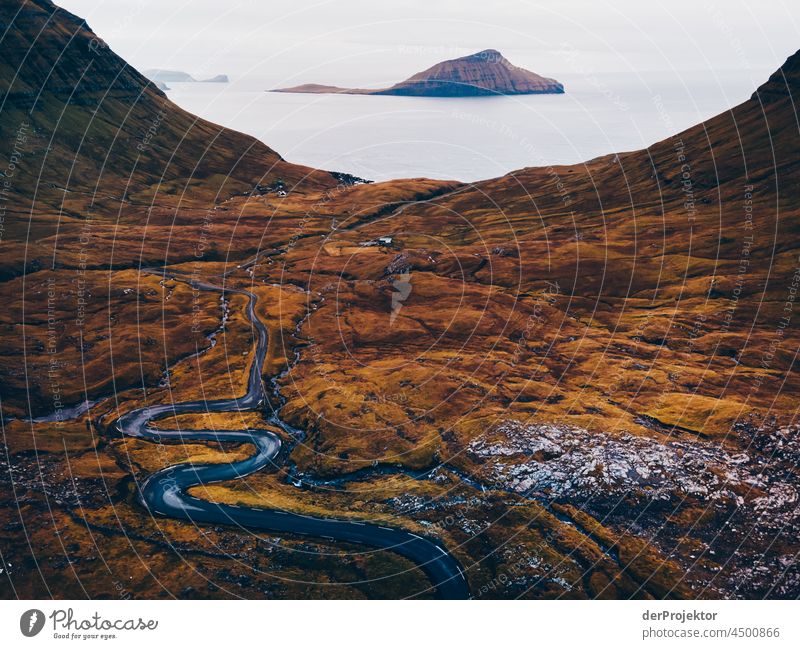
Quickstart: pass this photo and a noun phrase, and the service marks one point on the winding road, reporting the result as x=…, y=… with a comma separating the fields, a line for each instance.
x=166, y=492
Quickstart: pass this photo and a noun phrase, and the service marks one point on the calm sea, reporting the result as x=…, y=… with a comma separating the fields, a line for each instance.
x=380, y=138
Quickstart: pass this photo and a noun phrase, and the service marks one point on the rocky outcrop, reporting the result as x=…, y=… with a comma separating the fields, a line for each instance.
x=481, y=74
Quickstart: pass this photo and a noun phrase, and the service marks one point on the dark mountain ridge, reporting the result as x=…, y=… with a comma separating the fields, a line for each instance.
x=81, y=106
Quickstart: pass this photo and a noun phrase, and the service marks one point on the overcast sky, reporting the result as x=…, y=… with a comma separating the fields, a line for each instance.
x=371, y=42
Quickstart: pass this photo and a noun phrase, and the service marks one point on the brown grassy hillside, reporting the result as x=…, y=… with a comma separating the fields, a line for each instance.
x=582, y=379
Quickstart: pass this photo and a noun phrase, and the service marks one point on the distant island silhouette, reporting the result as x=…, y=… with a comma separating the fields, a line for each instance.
x=484, y=73
x=176, y=76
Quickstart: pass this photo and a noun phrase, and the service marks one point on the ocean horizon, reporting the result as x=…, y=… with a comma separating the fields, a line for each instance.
x=468, y=139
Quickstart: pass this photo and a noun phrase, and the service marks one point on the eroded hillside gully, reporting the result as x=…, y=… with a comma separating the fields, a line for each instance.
x=165, y=492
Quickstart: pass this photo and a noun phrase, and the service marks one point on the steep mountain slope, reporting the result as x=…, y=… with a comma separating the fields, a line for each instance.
x=484, y=73
x=85, y=130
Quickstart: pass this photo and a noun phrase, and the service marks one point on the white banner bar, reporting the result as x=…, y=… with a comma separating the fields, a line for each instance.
x=218, y=624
